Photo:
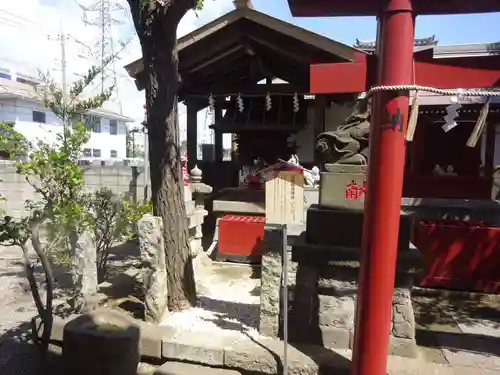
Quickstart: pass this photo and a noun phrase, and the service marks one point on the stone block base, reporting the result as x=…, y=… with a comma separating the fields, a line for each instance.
x=325, y=296
x=322, y=293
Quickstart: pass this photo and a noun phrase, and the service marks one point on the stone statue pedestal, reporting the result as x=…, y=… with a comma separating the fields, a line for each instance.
x=325, y=296
x=337, y=219
x=342, y=186
x=327, y=257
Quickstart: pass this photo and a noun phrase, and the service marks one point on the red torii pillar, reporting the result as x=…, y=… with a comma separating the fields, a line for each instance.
x=395, y=38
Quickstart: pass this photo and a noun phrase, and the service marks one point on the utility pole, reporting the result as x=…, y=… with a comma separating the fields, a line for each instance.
x=62, y=39
x=64, y=75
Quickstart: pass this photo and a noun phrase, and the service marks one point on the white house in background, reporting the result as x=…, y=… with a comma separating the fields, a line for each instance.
x=21, y=106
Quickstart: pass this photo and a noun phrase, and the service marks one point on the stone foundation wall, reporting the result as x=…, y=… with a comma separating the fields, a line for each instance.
x=322, y=302
x=325, y=306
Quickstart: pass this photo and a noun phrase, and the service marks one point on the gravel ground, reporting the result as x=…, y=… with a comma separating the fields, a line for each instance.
x=228, y=296
x=17, y=355
x=228, y=305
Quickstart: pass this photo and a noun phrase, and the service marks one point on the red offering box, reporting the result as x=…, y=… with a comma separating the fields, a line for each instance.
x=460, y=255
x=241, y=236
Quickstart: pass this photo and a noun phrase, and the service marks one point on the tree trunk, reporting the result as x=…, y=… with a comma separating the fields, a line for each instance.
x=157, y=32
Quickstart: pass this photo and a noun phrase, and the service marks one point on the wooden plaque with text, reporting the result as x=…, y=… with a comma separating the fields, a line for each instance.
x=285, y=197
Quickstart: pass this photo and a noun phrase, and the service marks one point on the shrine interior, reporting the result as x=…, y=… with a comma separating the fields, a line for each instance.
x=439, y=164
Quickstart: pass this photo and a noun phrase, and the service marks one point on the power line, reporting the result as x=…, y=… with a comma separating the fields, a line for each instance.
x=41, y=26
x=23, y=22
x=105, y=21
x=11, y=23
x=34, y=27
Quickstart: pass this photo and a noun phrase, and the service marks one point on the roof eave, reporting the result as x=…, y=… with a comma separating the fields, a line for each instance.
x=319, y=41
x=102, y=113
x=467, y=50
x=110, y=115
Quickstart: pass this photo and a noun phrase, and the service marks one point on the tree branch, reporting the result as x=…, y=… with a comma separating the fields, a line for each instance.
x=47, y=316
x=28, y=267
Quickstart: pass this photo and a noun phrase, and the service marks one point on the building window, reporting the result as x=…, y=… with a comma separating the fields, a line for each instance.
x=93, y=123
x=96, y=153
x=113, y=127
x=25, y=81
x=96, y=124
x=87, y=152
x=39, y=116
x=114, y=153
x=5, y=75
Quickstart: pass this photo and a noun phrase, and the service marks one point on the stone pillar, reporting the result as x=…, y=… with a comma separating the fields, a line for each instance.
x=402, y=340
x=154, y=272
x=192, y=134
x=197, y=214
x=219, y=147
x=270, y=321
x=199, y=189
x=83, y=271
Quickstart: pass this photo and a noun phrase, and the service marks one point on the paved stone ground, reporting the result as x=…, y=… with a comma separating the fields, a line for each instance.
x=461, y=333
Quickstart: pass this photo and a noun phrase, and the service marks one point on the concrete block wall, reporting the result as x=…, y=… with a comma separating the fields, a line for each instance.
x=120, y=179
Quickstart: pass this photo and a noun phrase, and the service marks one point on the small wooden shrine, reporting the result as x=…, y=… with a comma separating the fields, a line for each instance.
x=252, y=72
x=232, y=65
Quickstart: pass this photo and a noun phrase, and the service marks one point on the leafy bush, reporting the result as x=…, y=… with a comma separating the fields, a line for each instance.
x=53, y=172
x=114, y=218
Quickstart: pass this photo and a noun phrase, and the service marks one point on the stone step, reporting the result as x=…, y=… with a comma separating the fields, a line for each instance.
x=181, y=368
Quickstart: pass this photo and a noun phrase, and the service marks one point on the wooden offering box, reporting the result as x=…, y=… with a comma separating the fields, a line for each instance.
x=460, y=255
x=240, y=238
x=240, y=231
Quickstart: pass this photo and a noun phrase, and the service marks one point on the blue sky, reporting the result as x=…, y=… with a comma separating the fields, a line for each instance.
x=451, y=29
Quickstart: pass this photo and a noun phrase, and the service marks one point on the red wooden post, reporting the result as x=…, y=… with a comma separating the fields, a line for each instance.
x=385, y=181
